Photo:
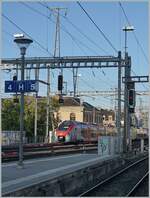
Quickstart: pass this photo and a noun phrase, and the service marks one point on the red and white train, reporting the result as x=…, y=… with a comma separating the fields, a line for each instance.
x=73, y=131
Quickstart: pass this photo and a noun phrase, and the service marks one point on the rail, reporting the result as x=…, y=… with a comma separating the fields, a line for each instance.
x=108, y=180
x=132, y=191
x=39, y=150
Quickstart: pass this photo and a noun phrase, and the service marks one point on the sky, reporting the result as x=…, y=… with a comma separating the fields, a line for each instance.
x=79, y=37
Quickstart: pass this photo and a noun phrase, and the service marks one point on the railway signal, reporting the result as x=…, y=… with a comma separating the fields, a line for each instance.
x=15, y=77
x=60, y=82
x=131, y=100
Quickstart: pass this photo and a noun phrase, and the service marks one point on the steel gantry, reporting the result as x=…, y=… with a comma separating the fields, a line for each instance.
x=38, y=63
x=73, y=62
x=64, y=62
x=105, y=93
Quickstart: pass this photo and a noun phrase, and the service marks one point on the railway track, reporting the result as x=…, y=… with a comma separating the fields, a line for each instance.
x=137, y=189
x=123, y=183
x=44, y=150
x=10, y=153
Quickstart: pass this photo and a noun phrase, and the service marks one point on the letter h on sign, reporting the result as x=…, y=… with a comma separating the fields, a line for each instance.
x=21, y=86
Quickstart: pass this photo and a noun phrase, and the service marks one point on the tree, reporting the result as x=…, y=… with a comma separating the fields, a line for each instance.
x=11, y=115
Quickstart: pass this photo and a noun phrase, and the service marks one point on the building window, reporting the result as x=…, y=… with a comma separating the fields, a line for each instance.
x=110, y=118
x=72, y=116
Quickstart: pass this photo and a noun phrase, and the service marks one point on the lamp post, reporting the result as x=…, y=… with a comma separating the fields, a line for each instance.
x=127, y=29
x=22, y=43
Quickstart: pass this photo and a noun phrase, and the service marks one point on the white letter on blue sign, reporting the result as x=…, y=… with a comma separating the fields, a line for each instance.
x=10, y=87
x=32, y=87
x=21, y=87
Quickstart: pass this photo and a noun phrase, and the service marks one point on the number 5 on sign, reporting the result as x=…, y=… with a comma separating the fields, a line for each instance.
x=32, y=86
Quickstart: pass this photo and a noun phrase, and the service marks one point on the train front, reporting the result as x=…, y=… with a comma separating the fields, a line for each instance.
x=63, y=132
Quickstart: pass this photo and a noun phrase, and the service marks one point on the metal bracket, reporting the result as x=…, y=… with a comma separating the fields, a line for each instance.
x=135, y=79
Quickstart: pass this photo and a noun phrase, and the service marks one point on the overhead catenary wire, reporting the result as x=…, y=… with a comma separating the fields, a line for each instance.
x=72, y=37
x=26, y=34
x=34, y=39
x=12, y=36
x=102, y=33
x=80, y=33
x=127, y=19
x=63, y=29
x=136, y=38
x=78, y=29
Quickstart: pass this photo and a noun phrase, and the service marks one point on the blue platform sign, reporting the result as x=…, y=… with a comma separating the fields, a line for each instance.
x=31, y=86
x=10, y=87
x=21, y=86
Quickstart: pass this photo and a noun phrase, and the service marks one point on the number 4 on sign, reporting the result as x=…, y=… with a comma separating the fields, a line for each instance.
x=10, y=86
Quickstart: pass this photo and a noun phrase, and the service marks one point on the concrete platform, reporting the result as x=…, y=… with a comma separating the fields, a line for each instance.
x=40, y=170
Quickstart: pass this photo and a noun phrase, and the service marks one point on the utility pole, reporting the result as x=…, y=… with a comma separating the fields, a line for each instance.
x=56, y=53
x=126, y=138
x=126, y=141
x=75, y=78
x=1, y=102
x=119, y=101
x=94, y=115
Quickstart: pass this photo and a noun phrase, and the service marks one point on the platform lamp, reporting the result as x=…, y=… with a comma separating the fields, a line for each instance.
x=23, y=44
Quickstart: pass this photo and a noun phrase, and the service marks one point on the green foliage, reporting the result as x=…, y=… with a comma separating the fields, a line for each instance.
x=11, y=114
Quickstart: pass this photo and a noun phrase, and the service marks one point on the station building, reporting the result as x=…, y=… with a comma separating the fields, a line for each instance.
x=73, y=109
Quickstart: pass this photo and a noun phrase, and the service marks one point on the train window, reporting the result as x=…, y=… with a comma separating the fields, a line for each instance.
x=65, y=125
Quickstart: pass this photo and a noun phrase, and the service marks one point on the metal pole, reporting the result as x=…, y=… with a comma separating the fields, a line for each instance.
x=125, y=41
x=129, y=115
x=125, y=108
x=119, y=101
x=0, y=115
x=75, y=73
x=48, y=104
x=125, y=98
x=35, y=120
x=20, y=163
x=94, y=115
x=36, y=101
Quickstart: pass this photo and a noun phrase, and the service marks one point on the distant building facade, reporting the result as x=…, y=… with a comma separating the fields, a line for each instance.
x=73, y=109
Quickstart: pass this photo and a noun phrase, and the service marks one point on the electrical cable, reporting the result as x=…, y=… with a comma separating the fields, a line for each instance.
x=78, y=29
x=11, y=35
x=102, y=33
x=27, y=34
x=80, y=33
x=62, y=27
x=127, y=19
x=73, y=38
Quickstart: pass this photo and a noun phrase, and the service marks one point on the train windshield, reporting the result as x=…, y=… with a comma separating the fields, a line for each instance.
x=64, y=126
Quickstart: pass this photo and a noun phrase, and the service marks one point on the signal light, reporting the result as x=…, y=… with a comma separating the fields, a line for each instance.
x=131, y=100
x=131, y=97
x=15, y=77
x=60, y=82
